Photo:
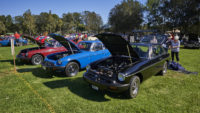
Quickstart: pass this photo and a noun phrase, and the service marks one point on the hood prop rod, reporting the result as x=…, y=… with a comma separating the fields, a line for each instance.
x=70, y=47
x=129, y=54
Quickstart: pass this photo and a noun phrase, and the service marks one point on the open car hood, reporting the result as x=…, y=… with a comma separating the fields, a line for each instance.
x=117, y=45
x=32, y=39
x=65, y=42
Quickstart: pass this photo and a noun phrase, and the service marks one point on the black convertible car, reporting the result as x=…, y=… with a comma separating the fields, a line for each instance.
x=129, y=65
x=192, y=42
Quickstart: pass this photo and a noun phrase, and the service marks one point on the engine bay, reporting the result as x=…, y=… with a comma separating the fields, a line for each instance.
x=112, y=65
x=60, y=55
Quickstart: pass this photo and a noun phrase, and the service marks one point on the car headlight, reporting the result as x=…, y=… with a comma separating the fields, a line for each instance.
x=59, y=62
x=121, y=77
x=88, y=67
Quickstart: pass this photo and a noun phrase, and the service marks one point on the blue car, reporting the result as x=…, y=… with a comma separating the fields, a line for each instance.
x=75, y=58
x=6, y=41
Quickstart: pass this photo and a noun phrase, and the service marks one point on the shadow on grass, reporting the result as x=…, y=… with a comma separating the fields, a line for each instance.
x=75, y=84
x=18, y=63
x=38, y=72
x=79, y=87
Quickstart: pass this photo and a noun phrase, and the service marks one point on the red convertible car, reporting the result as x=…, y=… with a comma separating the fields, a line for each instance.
x=41, y=39
x=36, y=55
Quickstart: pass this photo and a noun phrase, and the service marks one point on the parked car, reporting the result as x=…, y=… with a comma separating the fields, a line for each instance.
x=92, y=38
x=192, y=42
x=129, y=65
x=36, y=55
x=161, y=39
x=1, y=38
x=41, y=39
x=76, y=58
x=6, y=41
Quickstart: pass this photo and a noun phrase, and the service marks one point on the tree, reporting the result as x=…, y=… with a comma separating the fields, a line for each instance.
x=2, y=27
x=155, y=17
x=93, y=22
x=9, y=23
x=126, y=16
x=51, y=23
x=28, y=22
x=41, y=22
x=68, y=24
x=2, y=24
x=77, y=20
x=19, y=24
x=170, y=14
x=59, y=24
x=72, y=22
x=182, y=14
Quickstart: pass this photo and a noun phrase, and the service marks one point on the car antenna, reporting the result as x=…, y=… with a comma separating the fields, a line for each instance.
x=129, y=54
x=70, y=48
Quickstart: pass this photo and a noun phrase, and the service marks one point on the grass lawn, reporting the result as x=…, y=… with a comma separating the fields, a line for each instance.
x=32, y=90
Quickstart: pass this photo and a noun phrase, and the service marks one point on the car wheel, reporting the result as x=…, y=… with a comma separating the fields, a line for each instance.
x=164, y=70
x=71, y=69
x=37, y=59
x=134, y=87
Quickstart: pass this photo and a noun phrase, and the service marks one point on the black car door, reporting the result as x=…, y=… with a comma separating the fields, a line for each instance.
x=157, y=60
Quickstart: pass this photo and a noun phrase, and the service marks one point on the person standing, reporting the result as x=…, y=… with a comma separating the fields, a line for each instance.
x=154, y=40
x=17, y=36
x=175, y=48
x=168, y=42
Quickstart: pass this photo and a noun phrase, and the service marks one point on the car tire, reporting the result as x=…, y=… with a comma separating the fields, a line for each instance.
x=37, y=59
x=164, y=70
x=134, y=87
x=71, y=69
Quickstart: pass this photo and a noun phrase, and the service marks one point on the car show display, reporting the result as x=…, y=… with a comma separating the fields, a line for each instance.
x=129, y=65
x=36, y=55
x=5, y=41
x=75, y=58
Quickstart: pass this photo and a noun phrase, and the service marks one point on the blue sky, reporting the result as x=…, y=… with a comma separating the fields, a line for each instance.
x=18, y=7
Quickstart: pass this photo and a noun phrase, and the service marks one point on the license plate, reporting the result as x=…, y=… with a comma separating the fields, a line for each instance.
x=95, y=87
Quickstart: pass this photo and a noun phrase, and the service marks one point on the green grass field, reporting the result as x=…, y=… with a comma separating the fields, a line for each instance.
x=33, y=90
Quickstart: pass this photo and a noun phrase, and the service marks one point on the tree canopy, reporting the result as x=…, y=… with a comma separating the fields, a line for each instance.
x=169, y=14
x=126, y=16
x=48, y=22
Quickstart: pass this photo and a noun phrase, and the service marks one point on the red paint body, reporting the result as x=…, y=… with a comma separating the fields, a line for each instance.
x=27, y=54
x=41, y=40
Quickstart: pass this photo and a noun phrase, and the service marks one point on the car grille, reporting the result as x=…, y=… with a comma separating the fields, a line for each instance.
x=47, y=63
x=98, y=77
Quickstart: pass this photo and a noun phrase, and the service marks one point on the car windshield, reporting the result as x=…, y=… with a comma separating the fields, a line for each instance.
x=149, y=38
x=141, y=50
x=42, y=37
x=52, y=43
x=84, y=46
